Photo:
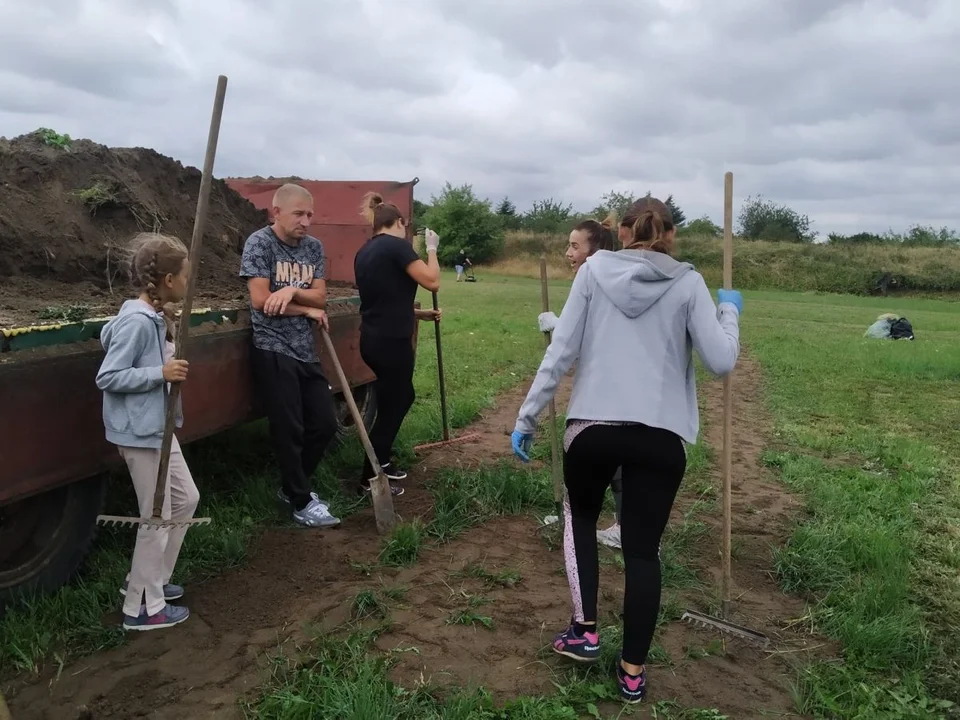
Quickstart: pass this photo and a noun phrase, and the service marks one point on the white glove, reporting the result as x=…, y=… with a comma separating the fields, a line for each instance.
x=547, y=321
x=431, y=240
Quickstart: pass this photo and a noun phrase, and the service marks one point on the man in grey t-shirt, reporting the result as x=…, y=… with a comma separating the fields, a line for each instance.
x=284, y=269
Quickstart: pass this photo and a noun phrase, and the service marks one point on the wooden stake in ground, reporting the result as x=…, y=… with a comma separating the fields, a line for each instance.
x=727, y=466
x=552, y=408
x=379, y=486
x=183, y=332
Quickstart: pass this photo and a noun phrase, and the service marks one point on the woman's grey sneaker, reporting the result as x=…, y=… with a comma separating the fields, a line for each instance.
x=315, y=515
x=168, y=617
x=393, y=472
x=170, y=592
x=283, y=497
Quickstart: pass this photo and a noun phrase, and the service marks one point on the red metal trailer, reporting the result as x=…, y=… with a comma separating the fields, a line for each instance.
x=53, y=456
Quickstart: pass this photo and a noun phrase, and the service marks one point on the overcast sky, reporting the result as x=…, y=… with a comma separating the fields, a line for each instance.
x=846, y=111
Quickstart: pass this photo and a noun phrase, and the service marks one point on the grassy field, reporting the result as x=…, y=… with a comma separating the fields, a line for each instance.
x=865, y=432
x=764, y=265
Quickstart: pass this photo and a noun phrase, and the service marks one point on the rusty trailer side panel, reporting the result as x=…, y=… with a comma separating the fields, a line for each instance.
x=337, y=222
x=51, y=430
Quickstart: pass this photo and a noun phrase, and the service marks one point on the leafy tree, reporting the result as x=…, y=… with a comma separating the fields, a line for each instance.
x=615, y=202
x=703, y=226
x=548, y=216
x=761, y=219
x=618, y=203
x=464, y=221
x=420, y=210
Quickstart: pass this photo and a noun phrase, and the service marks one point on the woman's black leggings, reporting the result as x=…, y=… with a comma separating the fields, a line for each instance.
x=653, y=462
x=392, y=361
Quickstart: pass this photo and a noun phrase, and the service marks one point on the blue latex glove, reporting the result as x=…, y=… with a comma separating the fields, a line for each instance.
x=521, y=445
x=731, y=296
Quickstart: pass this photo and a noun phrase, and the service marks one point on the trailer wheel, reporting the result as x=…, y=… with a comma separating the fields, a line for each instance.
x=44, y=539
x=366, y=400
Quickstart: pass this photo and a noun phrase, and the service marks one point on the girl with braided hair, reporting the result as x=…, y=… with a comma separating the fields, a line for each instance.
x=135, y=377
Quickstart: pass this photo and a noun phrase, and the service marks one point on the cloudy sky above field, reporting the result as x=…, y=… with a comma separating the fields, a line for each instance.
x=846, y=111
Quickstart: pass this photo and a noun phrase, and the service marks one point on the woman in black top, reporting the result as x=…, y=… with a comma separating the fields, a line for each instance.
x=388, y=271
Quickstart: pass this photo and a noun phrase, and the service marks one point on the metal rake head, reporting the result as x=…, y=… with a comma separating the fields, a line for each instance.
x=708, y=621
x=150, y=523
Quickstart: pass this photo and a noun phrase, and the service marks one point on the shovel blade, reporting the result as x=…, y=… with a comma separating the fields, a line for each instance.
x=383, y=511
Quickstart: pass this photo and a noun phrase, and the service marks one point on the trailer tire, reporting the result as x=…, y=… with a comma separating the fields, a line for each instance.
x=44, y=539
x=366, y=398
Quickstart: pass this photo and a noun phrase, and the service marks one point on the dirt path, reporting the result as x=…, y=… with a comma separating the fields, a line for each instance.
x=294, y=578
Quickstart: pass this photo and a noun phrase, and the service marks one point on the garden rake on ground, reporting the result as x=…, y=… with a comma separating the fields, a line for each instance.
x=183, y=333
x=692, y=616
x=447, y=440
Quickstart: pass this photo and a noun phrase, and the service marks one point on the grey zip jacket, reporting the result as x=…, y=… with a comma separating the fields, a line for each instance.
x=631, y=323
x=131, y=377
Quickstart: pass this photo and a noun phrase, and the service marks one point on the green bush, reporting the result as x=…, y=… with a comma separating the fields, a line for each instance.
x=464, y=221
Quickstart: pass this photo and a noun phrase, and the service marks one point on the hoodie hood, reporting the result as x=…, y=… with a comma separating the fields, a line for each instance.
x=128, y=310
x=634, y=280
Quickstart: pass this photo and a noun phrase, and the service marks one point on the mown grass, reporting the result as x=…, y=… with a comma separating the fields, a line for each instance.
x=867, y=434
x=761, y=265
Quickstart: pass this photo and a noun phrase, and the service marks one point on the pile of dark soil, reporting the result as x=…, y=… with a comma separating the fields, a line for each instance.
x=68, y=208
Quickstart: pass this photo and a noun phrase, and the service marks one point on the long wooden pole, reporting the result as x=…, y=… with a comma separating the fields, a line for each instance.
x=727, y=403
x=383, y=510
x=183, y=333
x=554, y=440
x=443, y=385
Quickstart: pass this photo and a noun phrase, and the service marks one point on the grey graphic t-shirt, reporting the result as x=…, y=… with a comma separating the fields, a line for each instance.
x=265, y=256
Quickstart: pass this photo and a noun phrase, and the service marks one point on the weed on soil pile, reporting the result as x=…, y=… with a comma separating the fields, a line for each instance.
x=68, y=208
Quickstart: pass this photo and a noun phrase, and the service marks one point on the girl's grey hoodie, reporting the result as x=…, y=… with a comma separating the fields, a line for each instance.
x=131, y=377
x=631, y=322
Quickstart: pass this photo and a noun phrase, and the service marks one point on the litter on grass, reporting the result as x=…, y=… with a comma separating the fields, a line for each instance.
x=890, y=326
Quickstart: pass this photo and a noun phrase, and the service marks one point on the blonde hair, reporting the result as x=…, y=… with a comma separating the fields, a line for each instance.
x=379, y=214
x=649, y=232
x=289, y=191
x=153, y=256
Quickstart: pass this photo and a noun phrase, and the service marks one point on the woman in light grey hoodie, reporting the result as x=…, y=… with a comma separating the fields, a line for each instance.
x=630, y=323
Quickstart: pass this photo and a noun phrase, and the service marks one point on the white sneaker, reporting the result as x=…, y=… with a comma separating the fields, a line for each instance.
x=315, y=515
x=610, y=537
x=282, y=497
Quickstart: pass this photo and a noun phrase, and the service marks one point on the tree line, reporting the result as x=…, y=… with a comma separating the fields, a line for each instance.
x=478, y=225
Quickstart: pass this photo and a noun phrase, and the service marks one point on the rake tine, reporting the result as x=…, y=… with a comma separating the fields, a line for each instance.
x=149, y=523
x=708, y=621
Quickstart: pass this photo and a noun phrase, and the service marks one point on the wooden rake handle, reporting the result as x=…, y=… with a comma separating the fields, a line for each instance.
x=183, y=331
x=380, y=487
x=727, y=458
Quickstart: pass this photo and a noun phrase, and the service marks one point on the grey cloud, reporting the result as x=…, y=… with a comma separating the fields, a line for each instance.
x=845, y=110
